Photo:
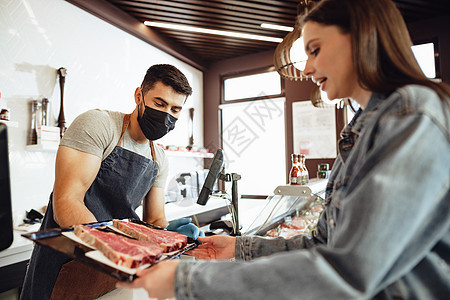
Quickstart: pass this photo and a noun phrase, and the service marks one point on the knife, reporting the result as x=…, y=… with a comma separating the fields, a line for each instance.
x=51, y=233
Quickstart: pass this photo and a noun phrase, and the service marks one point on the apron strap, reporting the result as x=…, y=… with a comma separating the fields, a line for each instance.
x=152, y=147
x=126, y=122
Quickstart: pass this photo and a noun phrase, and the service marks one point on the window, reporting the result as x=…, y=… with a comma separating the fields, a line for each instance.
x=428, y=58
x=253, y=113
x=253, y=86
x=253, y=138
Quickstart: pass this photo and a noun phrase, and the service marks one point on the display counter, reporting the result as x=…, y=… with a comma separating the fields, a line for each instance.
x=13, y=262
x=258, y=215
x=254, y=215
x=19, y=250
x=292, y=210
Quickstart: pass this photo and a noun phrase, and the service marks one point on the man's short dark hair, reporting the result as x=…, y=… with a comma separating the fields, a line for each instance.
x=168, y=75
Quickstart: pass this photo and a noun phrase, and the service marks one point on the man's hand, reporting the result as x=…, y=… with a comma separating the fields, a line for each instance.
x=217, y=247
x=184, y=226
x=158, y=280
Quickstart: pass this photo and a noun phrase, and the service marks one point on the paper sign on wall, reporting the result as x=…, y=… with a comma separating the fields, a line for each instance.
x=314, y=130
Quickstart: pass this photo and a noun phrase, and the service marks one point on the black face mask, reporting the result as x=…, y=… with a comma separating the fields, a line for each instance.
x=154, y=123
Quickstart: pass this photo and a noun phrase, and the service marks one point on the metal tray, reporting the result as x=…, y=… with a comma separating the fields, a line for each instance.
x=58, y=240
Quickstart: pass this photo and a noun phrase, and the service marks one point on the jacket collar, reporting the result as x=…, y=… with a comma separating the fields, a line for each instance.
x=351, y=132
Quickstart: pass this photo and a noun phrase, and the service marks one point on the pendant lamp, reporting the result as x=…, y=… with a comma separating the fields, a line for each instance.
x=289, y=57
x=282, y=57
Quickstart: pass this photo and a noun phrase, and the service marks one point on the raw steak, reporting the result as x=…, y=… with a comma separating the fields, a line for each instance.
x=168, y=240
x=296, y=223
x=119, y=249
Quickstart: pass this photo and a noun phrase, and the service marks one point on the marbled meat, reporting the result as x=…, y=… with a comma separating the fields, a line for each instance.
x=119, y=249
x=168, y=240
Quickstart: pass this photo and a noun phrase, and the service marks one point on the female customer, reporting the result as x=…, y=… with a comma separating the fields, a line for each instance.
x=385, y=230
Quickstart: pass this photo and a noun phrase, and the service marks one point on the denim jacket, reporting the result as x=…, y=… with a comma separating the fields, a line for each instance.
x=385, y=230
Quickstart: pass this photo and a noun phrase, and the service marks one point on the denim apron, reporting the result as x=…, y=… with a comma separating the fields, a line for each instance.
x=123, y=180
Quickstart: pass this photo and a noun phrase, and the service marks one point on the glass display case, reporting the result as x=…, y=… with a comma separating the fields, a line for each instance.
x=291, y=210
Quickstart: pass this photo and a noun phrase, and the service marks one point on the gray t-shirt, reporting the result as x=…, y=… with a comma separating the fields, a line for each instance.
x=98, y=131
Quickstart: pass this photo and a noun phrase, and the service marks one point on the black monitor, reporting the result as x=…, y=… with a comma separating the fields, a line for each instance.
x=211, y=178
x=6, y=228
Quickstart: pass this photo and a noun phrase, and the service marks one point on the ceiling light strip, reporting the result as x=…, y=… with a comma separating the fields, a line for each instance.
x=214, y=31
x=277, y=27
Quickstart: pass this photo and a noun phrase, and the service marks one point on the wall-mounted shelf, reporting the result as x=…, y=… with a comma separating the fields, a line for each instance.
x=10, y=123
x=48, y=147
x=189, y=154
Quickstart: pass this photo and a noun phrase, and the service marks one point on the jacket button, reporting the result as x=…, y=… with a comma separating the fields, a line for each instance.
x=332, y=223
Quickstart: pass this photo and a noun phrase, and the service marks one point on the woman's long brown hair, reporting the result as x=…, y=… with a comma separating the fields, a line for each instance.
x=381, y=43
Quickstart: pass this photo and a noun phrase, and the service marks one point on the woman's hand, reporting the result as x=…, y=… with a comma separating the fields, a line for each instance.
x=158, y=280
x=214, y=247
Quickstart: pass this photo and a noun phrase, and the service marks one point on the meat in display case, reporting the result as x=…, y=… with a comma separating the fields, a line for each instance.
x=292, y=210
x=299, y=222
x=117, y=247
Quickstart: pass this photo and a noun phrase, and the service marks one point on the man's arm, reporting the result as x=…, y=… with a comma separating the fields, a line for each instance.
x=153, y=207
x=74, y=173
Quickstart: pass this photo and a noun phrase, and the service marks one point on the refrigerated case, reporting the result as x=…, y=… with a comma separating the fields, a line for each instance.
x=287, y=202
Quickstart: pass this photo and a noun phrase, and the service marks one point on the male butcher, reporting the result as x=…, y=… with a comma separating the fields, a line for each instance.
x=106, y=166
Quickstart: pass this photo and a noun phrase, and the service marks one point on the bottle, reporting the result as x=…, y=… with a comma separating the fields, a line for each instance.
x=35, y=121
x=304, y=171
x=295, y=171
x=323, y=171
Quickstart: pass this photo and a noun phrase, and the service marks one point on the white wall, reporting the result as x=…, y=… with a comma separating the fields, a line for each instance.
x=104, y=66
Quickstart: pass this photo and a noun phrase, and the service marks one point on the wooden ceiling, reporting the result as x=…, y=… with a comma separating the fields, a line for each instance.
x=229, y=15
x=241, y=16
